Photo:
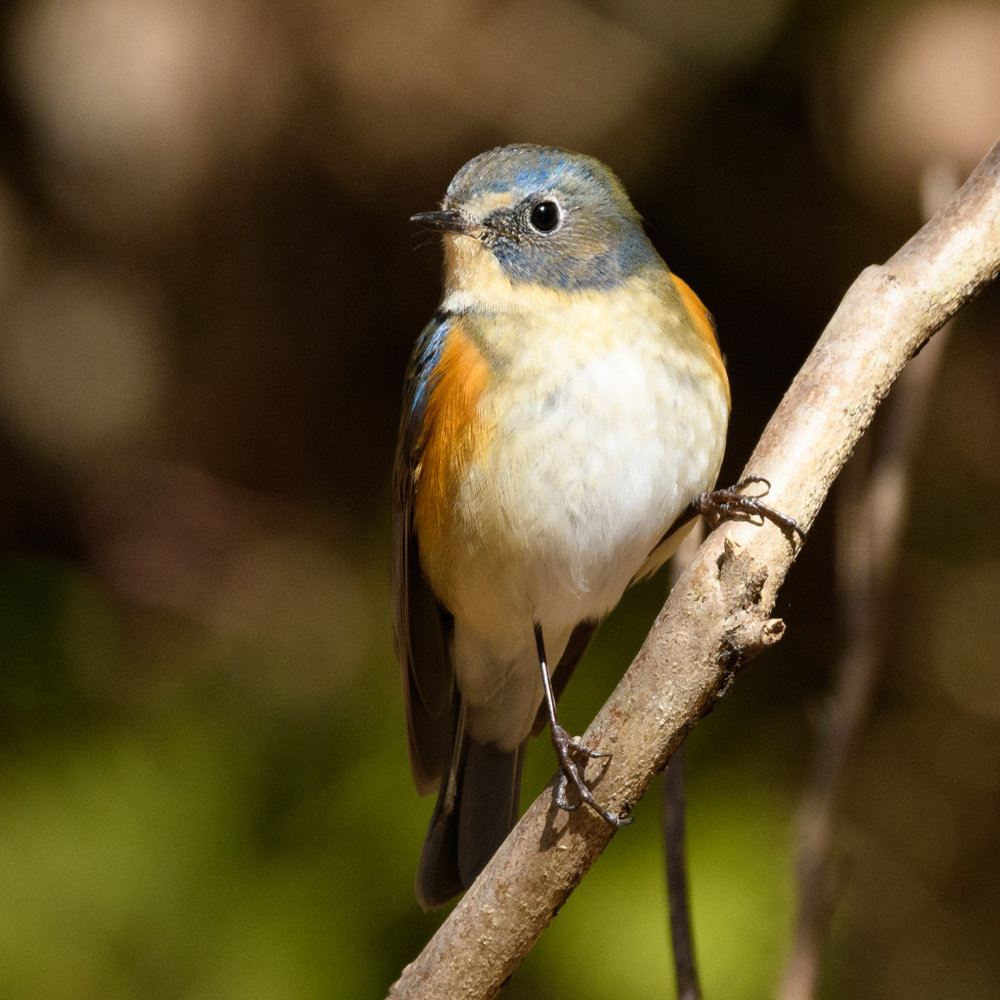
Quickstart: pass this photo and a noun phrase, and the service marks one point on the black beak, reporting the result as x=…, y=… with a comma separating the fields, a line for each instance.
x=445, y=221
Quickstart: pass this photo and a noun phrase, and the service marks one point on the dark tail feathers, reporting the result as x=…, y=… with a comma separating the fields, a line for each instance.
x=477, y=807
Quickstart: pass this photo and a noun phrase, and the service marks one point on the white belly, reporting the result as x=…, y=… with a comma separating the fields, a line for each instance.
x=595, y=451
x=578, y=485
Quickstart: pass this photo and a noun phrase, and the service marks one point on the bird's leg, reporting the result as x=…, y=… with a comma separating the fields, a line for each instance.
x=566, y=747
x=732, y=504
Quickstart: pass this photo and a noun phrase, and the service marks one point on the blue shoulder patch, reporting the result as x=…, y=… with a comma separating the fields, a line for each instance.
x=420, y=371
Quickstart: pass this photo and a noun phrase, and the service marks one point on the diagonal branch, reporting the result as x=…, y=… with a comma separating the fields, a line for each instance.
x=717, y=617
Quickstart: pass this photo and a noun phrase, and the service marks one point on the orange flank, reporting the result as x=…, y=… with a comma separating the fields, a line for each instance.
x=703, y=323
x=451, y=434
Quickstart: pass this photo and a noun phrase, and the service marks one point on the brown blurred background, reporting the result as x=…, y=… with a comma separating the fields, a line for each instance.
x=208, y=292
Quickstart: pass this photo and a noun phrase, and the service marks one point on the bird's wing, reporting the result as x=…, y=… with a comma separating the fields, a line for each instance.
x=703, y=324
x=420, y=624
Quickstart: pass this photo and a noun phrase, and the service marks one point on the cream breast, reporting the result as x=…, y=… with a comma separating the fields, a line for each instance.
x=606, y=414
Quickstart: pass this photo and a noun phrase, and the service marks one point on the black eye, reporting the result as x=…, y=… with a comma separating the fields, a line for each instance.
x=545, y=216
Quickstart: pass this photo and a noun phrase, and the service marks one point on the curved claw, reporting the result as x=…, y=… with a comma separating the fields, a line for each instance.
x=561, y=801
x=575, y=746
x=565, y=747
x=752, y=480
x=612, y=819
x=623, y=818
x=718, y=505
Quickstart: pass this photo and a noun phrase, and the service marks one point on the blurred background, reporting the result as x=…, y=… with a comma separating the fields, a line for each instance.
x=208, y=293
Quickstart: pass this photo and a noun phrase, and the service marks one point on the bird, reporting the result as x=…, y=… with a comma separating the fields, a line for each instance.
x=564, y=421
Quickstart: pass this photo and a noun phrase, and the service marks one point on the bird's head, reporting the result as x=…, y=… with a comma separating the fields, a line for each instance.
x=538, y=216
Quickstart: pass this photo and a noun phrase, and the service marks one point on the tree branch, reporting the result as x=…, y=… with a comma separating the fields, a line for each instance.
x=717, y=617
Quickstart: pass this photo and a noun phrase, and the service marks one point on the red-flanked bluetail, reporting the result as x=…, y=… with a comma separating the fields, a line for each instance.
x=564, y=408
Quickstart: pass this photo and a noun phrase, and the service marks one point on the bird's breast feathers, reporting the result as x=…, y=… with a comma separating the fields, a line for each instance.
x=560, y=442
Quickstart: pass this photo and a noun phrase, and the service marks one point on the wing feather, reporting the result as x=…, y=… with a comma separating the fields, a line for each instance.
x=421, y=626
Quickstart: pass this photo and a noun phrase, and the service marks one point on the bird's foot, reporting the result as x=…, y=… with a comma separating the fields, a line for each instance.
x=732, y=504
x=571, y=773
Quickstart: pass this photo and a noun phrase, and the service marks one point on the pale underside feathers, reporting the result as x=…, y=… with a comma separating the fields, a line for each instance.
x=552, y=432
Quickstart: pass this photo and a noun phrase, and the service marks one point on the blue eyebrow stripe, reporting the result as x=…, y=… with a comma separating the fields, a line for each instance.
x=535, y=170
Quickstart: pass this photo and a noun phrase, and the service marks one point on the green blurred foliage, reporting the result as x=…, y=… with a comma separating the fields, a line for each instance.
x=205, y=845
